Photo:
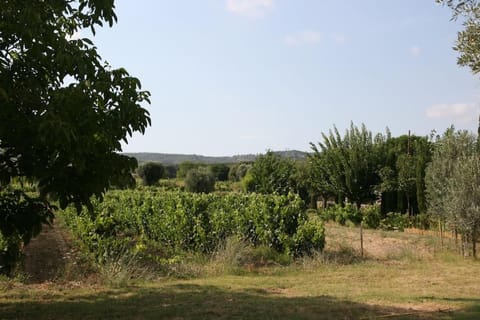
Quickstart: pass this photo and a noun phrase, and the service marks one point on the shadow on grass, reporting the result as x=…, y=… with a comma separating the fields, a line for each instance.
x=189, y=301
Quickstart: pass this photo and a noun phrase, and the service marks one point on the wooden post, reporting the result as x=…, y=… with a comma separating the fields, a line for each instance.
x=361, y=239
x=440, y=230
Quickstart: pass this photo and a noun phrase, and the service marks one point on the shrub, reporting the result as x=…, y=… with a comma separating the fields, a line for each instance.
x=310, y=236
x=199, y=180
x=342, y=215
x=394, y=221
x=371, y=216
x=150, y=173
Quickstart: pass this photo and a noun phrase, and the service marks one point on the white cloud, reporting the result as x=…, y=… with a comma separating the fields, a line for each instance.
x=250, y=8
x=463, y=112
x=415, y=51
x=302, y=38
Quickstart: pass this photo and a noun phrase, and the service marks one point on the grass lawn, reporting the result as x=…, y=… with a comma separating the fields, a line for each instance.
x=435, y=285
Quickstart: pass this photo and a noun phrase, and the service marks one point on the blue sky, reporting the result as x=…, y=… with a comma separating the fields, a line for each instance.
x=243, y=76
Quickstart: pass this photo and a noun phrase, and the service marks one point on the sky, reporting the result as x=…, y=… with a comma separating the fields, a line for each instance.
x=231, y=77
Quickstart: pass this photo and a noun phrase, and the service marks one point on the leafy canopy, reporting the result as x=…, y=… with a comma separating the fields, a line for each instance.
x=64, y=110
x=468, y=39
x=151, y=172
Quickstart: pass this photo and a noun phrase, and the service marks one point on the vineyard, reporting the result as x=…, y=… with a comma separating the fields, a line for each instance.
x=158, y=225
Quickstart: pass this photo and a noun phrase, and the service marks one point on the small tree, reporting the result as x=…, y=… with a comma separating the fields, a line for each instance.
x=463, y=201
x=200, y=180
x=271, y=173
x=444, y=181
x=151, y=172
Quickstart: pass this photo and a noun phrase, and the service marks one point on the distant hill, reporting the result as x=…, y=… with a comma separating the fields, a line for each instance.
x=168, y=158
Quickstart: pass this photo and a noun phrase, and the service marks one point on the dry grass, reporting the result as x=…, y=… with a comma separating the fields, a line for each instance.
x=403, y=277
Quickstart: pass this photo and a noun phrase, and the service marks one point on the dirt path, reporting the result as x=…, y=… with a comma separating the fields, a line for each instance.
x=47, y=255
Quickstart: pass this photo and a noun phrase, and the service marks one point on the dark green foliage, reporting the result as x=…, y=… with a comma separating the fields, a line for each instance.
x=171, y=171
x=200, y=180
x=195, y=222
x=305, y=183
x=150, y=173
x=271, y=173
x=21, y=217
x=63, y=110
x=402, y=185
x=349, y=165
x=220, y=171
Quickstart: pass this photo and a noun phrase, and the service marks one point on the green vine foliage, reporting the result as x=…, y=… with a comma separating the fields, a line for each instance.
x=181, y=221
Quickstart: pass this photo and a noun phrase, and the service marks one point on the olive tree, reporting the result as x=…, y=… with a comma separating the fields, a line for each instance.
x=463, y=201
x=200, y=180
x=445, y=183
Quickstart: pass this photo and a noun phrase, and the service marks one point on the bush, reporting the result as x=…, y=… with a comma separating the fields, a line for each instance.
x=394, y=221
x=310, y=236
x=371, y=216
x=150, y=173
x=342, y=215
x=199, y=180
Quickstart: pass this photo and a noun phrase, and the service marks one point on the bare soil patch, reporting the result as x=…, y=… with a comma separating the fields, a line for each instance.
x=48, y=255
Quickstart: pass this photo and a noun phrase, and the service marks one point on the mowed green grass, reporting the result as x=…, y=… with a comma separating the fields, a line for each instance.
x=402, y=286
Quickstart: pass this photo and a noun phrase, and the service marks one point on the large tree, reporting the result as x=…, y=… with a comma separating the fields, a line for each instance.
x=350, y=164
x=63, y=110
